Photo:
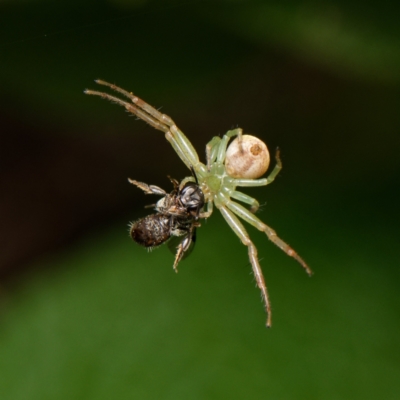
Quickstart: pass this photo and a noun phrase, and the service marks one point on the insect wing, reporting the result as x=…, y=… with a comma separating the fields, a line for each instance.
x=175, y=241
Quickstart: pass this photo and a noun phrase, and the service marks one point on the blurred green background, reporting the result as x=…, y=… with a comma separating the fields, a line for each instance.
x=87, y=314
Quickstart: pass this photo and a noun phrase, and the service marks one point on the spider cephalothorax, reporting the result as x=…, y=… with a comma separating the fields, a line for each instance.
x=239, y=165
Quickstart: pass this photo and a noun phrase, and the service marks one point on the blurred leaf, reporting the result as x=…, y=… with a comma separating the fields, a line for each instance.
x=110, y=320
x=357, y=39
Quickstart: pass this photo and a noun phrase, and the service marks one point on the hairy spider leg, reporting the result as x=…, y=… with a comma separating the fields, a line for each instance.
x=224, y=143
x=186, y=180
x=263, y=181
x=249, y=217
x=254, y=204
x=216, y=147
x=172, y=134
x=256, y=222
x=157, y=120
x=241, y=232
x=211, y=151
x=210, y=209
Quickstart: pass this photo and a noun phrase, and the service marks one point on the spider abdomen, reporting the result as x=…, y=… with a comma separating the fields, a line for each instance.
x=247, y=157
x=151, y=231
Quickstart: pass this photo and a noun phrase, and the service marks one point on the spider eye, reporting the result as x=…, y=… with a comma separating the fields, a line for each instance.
x=247, y=157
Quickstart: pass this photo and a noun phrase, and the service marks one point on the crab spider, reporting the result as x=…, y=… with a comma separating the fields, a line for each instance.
x=239, y=165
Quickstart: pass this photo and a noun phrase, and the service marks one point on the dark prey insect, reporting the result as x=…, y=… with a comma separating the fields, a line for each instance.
x=177, y=216
x=241, y=164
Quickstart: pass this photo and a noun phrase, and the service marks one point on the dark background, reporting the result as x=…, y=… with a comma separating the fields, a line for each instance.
x=85, y=313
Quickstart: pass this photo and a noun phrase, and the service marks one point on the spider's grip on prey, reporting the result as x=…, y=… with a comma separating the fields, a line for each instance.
x=228, y=166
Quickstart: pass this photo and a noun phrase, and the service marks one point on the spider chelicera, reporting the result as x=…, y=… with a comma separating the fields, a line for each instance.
x=226, y=169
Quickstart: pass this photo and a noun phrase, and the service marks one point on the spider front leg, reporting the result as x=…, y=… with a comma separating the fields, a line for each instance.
x=245, y=214
x=216, y=147
x=153, y=117
x=211, y=150
x=240, y=231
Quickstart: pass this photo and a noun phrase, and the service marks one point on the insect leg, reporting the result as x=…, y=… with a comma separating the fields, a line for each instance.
x=148, y=189
x=184, y=246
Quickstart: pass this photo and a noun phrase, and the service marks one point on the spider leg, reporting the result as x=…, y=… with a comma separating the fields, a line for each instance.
x=249, y=217
x=183, y=148
x=148, y=189
x=132, y=108
x=264, y=181
x=211, y=150
x=216, y=147
x=207, y=214
x=245, y=199
x=221, y=151
x=240, y=231
x=157, y=120
x=186, y=180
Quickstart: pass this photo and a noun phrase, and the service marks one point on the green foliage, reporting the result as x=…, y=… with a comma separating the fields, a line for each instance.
x=350, y=38
x=108, y=320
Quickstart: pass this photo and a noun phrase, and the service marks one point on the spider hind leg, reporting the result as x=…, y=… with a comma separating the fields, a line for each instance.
x=249, y=217
x=241, y=232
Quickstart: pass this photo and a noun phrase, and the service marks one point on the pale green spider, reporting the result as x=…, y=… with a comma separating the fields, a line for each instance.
x=217, y=186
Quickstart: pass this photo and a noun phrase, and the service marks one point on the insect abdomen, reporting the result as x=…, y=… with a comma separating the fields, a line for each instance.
x=151, y=231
